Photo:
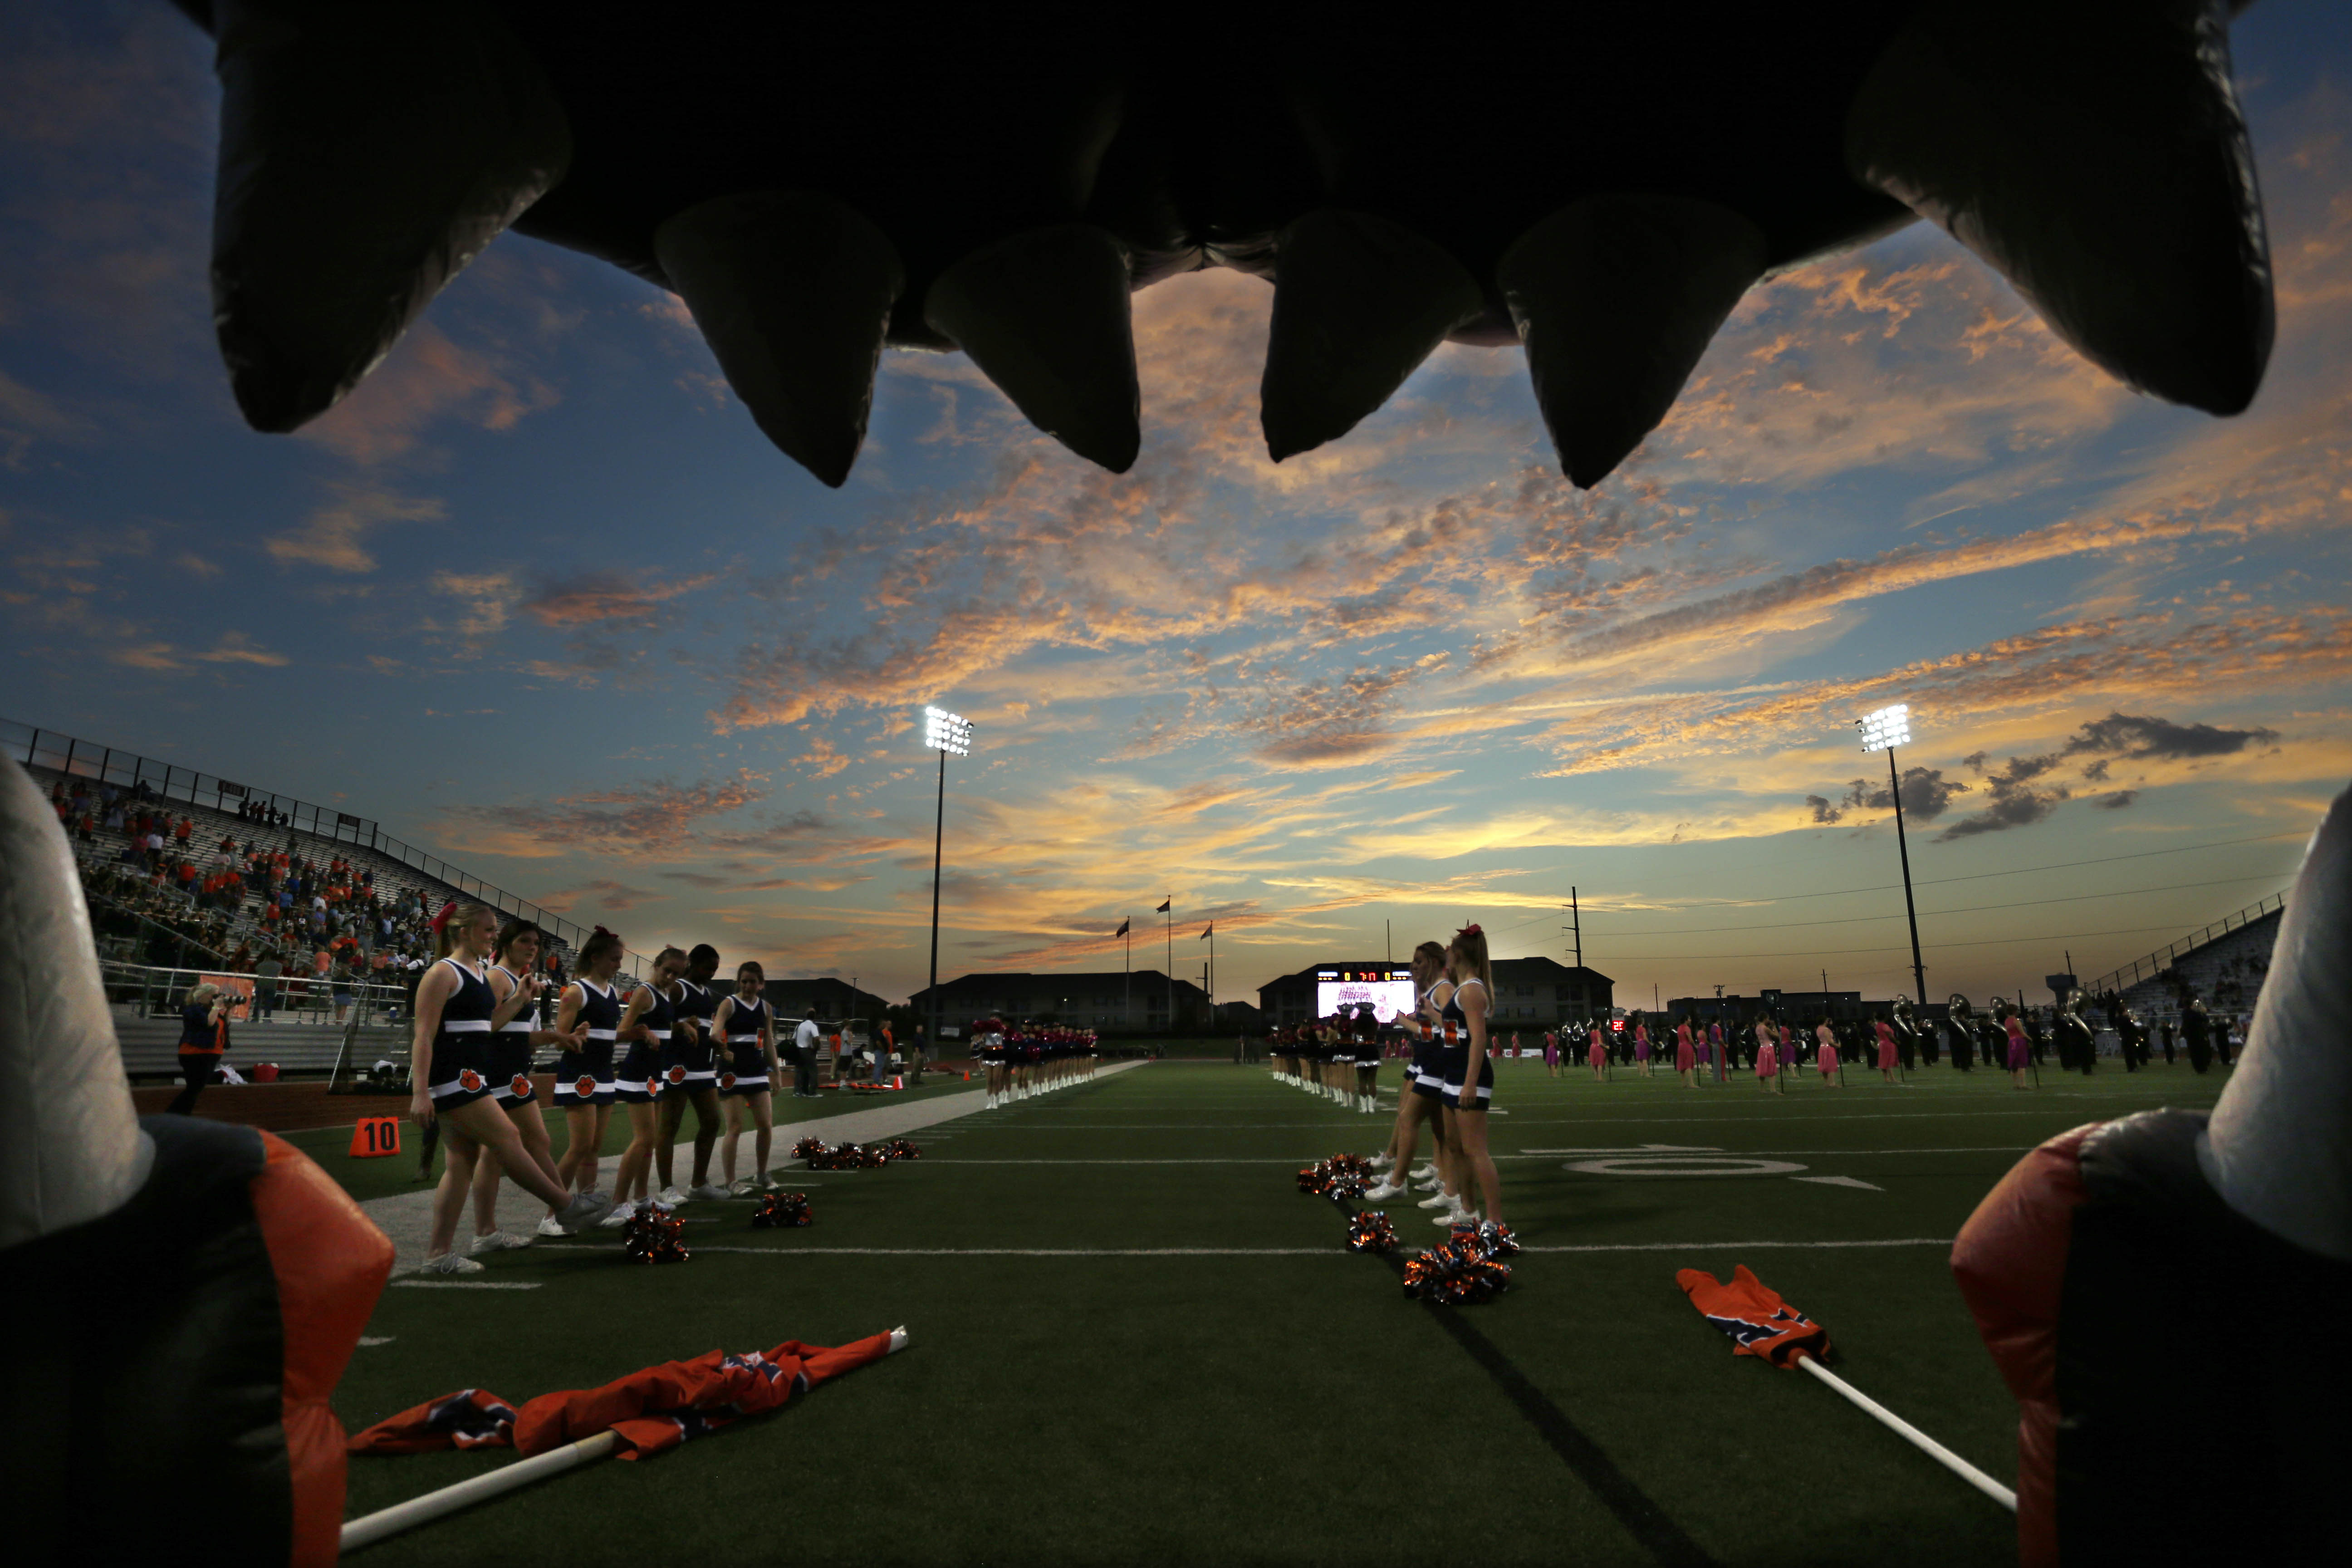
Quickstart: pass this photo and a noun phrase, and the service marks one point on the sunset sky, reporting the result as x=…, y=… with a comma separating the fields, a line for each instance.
x=539, y=597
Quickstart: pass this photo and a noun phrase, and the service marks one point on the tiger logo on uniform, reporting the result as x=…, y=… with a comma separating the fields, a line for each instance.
x=584, y=1086
x=676, y=1075
x=520, y=1085
x=469, y=1080
x=726, y=1081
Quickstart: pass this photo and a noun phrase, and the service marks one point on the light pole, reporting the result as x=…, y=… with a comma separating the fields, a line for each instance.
x=943, y=732
x=1882, y=731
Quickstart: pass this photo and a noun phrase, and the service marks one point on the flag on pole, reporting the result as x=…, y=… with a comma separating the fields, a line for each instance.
x=1122, y=929
x=1752, y=1313
x=650, y=1410
x=1163, y=908
x=1204, y=935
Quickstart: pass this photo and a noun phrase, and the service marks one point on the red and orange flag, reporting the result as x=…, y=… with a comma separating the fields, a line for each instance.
x=1752, y=1313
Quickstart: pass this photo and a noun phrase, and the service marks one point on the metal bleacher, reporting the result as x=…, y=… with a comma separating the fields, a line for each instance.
x=2223, y=962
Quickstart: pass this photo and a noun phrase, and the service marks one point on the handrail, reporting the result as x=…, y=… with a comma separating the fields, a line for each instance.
x=120, y=908
x=38, y=748
x=2164, y=958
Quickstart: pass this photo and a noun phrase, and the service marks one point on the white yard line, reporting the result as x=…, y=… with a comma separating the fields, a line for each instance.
x=407, y=1217
x=1335, y=1250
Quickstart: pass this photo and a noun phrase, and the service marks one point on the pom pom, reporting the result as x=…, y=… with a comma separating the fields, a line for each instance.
x=808, y=1149
x=653, y=1235
x=1371, y=1231
x=1464, y=1271
x=1315, y=1178
x=783, y=1211
x=1343, y=1189
x=900, y=1149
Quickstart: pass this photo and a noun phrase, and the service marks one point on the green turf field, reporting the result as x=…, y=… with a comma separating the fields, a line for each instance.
x=1134, y=1340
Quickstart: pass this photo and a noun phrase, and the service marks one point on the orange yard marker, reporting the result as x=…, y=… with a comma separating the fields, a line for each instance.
x=375, y=1136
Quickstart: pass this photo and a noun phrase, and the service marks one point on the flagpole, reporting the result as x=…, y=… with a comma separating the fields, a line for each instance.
x=1169, y=909
x=372, y=1528
x=1919, y=1439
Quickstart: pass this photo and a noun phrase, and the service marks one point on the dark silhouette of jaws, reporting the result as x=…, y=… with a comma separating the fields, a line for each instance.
x=1601, y=180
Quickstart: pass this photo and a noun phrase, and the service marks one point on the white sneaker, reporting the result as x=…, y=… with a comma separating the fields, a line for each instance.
x=671, y=1197
x=1424, y=1172
x=1380, y=1162
x=708, y=1190
x=622, y=1213
x=1456, y=1216
x=497, y=1241
x=450, y=1263
x=1442, y=1201
x=547, y=1226
x=1431, y=1185
x=585, y=1210
x=742, y=1189
x=1385, y=1190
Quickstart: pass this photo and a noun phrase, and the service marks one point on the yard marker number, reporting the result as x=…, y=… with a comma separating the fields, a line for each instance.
x=374, y=1137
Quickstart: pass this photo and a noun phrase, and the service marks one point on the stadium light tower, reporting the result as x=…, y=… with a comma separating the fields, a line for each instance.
x=1882, y=731
x=943, y=732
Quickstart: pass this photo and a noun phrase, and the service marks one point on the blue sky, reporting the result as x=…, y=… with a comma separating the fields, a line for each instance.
x=539, y=596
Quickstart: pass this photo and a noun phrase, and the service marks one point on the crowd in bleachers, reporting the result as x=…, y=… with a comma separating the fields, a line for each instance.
x=254, y=895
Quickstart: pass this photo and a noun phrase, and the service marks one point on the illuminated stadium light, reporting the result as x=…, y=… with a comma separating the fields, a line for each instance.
x=946, y=731
x=1882, y=731
x=1887, y=729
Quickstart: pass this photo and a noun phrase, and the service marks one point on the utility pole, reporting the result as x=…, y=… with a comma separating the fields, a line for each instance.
x=1576, y=928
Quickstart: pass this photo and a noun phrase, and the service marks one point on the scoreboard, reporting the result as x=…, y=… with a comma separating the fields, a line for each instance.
x=1389, y=990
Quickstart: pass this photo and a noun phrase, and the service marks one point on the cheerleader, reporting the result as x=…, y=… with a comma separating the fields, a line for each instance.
x=643, y=1035
x=1886, y=1048
x=512, y=1046
x=1596, y=1053
x=455, y=1017
x=748, y=1075
x=1828, y=1059
x=1417, y=1102
x=1642, y=1046
x=690, y=1076
x=1767, y=1058
x=1685, y=1054
x=1367, y=1063
x=591, y=1008
x=1470, y=1074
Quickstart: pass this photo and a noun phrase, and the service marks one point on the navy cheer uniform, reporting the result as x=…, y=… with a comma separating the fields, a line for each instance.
x=1457, y=1051
x=461, y=1046
x=510, y=1071
x=746, y=1068
x=1428, y=1055
x=637, y=1079
x=585, y=1077
x=686, y=1064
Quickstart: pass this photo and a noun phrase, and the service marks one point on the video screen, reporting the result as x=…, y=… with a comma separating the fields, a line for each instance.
x=1390, y=991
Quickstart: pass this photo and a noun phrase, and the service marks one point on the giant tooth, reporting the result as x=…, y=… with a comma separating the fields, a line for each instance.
x=368, y=152
x=1359, y=302
x=71, y=1148
x=1616, y=296
x=1044, y=316
x=2092, y=151
x=792, y=292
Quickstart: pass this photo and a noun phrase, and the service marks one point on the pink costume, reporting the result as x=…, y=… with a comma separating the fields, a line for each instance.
x=1768, y=1058
x=1640, y=1042
x=1885, y=1046
x=1684, y=1059
x=1595, y=1052
x=1551, y=1048
x=1828, y=1059
x=2021, y=1054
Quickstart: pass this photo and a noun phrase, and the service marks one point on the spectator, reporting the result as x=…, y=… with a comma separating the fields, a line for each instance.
x=265, y=984
x=203, y=1037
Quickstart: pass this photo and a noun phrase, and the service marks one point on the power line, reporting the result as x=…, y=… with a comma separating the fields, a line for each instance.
x=1965, y=909
x=1840, y=952
x=1938, y=881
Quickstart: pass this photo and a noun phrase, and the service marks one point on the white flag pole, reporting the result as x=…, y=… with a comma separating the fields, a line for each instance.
x=369, y=1529
x=1919, y=1439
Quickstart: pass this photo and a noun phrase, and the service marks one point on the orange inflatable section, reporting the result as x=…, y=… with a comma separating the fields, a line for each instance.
x=2010, y=1263
x=331, y=1263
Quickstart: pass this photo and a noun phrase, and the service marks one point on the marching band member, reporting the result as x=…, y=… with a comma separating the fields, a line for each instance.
x=1829, y=1057
x=748, y=1075
x=1642, y=1046
x=590, y=1007
x=1685, y=1054
x=456, y=1015
x=512, y=1046
x=1885, y=1032
x=1768, y=1056
x=1596, y=1052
